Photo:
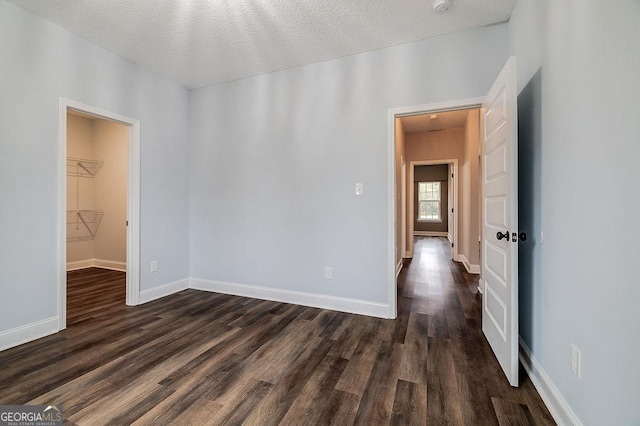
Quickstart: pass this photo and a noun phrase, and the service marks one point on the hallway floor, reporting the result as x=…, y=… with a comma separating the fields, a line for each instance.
x=465, y=384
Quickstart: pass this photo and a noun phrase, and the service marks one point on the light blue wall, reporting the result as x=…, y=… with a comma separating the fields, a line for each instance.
x=39, y=62
x=586, y=148
x=274, y=160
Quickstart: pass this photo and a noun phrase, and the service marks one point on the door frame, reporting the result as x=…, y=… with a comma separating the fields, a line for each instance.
x=133, y=202
x=404, y=253
x=394, y=113
x=411, y=192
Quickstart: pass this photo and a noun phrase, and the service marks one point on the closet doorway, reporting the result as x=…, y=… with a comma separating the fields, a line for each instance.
x=98, y=185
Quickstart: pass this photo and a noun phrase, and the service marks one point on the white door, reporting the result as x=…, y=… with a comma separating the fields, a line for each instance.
x=500, y=220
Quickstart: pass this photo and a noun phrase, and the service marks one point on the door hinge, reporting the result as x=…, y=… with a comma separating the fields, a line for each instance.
x=451, y=244
x=451, y=175
x=451, y=210
x=126, y=223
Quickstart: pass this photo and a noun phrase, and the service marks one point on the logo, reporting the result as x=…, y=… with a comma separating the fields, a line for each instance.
x=31, y=415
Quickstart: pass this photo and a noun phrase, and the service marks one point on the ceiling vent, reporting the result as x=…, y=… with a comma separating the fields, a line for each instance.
x=441, y=6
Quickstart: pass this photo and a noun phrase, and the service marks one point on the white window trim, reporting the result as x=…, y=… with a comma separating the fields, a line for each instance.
x=431, y=220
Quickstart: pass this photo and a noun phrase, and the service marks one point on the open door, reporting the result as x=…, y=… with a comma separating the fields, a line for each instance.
x=500, y=220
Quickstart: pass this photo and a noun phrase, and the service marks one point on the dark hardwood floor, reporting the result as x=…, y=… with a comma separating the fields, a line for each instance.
x=93, y=290
x=202, y=358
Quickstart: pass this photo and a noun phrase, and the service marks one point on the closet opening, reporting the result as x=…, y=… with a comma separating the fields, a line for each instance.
x=99, y=231
x=96, y=214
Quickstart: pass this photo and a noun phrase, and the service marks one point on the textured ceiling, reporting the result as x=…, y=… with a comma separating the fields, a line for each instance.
x=444, y=120
x=204, y=42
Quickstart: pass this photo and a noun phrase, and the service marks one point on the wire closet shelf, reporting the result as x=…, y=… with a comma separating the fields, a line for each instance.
x=82, y=224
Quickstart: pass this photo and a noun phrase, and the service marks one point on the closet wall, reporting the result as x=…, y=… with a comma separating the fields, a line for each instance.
x=105, y=141
x=471, y=188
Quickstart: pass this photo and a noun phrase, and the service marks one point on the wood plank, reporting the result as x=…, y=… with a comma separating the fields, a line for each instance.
x=512, y=413
x=410, y=404
x=317, y=402
x=415, y=354
x=355, y=377
x=377, y=400
x=276, y=403
x=443, y=398
x=236, y=410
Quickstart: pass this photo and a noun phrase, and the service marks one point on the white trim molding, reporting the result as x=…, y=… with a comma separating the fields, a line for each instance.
x=430, y=234
x=79, y=264
x=27, y=333
x=97, y=263
x=399, y=267
x=553, y=399
x=163, y=290
x=342, y=304
x=110, y=264
x=471, y=268
x=411, y=195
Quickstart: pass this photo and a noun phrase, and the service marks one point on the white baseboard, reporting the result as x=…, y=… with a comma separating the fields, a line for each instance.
x=399, y=267
x=472, y=269
x=80, y=264
x=430, y=234
x=553, y=399
x=354, y=306
x=450, y=238
x=27, y=333
x=408, y=254
x=97, y=263
x=163, y=290
x=110, y=264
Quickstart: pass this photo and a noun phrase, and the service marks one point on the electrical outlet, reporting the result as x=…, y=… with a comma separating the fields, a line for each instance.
x=328, y=272
x=575, y=361
x=154, y=266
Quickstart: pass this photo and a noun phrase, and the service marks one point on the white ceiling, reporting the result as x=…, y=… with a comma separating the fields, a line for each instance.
x=204, y=42
x=443, y=120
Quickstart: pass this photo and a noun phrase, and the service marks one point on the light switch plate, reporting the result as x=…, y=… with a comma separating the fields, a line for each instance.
x=328, y=272
x=359, y=189
x=575, y=361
